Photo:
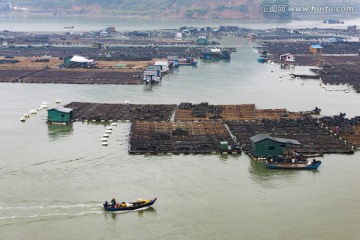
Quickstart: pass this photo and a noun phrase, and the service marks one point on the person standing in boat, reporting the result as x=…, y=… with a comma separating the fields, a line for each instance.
x=113, y=202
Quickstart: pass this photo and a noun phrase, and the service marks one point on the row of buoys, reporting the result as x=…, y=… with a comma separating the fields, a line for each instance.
x=42, y=106
x=104, y=139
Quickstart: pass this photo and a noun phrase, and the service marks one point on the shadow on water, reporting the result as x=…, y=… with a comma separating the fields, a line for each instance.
x=56, y=132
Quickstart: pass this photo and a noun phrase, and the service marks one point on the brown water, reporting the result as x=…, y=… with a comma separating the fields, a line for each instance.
x=54, y=178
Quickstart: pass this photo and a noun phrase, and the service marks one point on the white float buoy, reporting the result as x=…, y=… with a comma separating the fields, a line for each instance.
x=114, y=124
x=106, y=135
x=127, y=101
x=22, y=119
x=104, y=139
x=104, y=143
x=109, y=128
x=58, y=100
x=108, y=131
x=33, y=111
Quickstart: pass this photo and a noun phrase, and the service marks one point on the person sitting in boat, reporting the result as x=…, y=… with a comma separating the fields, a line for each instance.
x=113, y=202
x=106, y=204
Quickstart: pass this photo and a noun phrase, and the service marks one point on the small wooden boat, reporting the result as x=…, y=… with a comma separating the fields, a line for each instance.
x=125, y=206
x=189, y=61
x=314, y=164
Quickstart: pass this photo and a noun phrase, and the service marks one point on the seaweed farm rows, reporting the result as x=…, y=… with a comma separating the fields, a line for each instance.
x=199, y=128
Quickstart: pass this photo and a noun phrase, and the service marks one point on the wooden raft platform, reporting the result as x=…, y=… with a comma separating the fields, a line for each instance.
x=71, y=76
x=178, y=137
x=115, y=112
x=205, y=112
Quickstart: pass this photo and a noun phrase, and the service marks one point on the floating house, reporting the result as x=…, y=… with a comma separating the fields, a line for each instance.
x=263, y=145
x=288, y=57
x=316, y=48
x=152, y=74
x=333, y=21
x=215, y=54
x=164, y=66
x=335, y=40
x=178, y=36
x=202, y=40
x=77, y=62
x=60, y=115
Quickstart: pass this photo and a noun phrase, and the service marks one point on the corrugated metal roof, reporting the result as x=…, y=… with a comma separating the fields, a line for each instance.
x=61, y=109
x=261, y=136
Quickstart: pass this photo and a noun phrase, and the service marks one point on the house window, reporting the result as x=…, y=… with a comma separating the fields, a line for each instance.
x=271, y=148
x=62, y=115
x=282, y=145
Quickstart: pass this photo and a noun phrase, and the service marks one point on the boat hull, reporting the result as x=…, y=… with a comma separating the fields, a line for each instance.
x=188, y=64
x=134, y=207
x=295, y=166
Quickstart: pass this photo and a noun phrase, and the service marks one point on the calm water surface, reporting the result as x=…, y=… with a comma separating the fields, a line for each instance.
x=54, y=178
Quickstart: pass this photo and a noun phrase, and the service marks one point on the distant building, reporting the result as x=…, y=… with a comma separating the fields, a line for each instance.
x=60, y=114
x=202, y=40
x=316, y=48
x=334, y=40
x=77, y=62
x=178, y=36
x=164, y=66
x=288, y=57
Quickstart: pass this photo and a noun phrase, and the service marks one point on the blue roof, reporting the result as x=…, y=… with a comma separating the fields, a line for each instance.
x=61, y=109
x=316, y=46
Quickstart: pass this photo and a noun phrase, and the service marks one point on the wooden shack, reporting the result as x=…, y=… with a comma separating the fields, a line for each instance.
x=288, y=57
x=202, y=40
x=315, y=48
x=263, y=145
x=60, y=115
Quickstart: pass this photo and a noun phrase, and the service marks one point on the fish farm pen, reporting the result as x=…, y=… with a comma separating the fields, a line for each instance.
x=204, y=111
x=200, y=128
x=81, y=76
x=178, y=137
x=315, y=139
x=117, y=112
x=112, y=53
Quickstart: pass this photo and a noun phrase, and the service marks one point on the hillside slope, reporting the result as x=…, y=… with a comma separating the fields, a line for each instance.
x=211, y=9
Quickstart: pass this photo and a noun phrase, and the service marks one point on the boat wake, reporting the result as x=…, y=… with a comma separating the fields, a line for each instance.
x=18, y=213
